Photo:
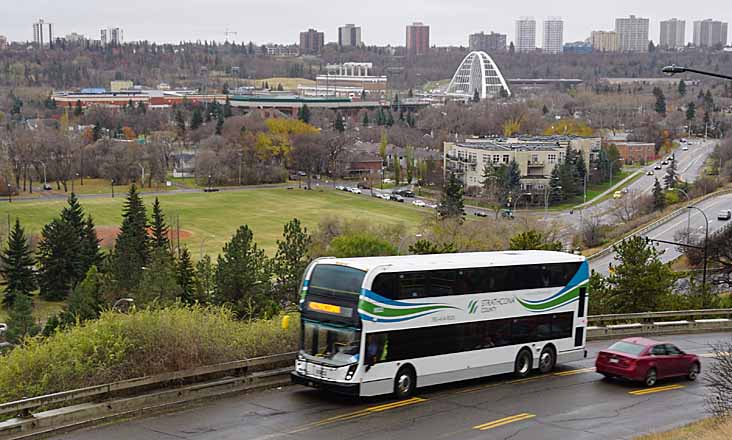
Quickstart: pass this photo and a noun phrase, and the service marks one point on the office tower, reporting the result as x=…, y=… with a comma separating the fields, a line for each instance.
x=525, y=35
x=632, y=34
x=349, y=36
x=553, y=35
x=418, y=39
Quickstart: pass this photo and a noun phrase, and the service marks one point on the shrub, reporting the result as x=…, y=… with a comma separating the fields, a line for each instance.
x=142, y=343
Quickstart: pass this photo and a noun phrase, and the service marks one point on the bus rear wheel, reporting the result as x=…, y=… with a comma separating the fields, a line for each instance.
x=522, y=366
x=547, y=360
x=405, y=382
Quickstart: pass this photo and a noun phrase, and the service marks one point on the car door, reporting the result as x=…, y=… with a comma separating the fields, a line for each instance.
x=678, y=362
x=660, y=359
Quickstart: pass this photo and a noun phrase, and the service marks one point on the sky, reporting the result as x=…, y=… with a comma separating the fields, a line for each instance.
x=382, y=21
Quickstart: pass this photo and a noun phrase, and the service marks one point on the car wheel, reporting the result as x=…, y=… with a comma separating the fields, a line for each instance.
x=405, y=383
x=651, y=377
x=522, y=366
x=607, y=376
x=547, y=360
x=693, y=371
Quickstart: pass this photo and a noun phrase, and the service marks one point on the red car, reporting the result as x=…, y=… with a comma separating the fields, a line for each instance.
x=647, y=361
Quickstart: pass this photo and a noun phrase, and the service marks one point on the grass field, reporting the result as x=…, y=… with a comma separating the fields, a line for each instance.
x=41, y=310
x=212, y=218
x=287, y=83
x=708, y=429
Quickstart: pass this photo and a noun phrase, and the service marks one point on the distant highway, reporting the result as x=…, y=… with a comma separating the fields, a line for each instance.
x=572, y=403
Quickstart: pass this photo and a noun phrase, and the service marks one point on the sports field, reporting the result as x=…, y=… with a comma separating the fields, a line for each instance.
x=208, y=220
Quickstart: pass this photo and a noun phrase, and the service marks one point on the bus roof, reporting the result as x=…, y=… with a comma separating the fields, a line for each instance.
x=453, y=261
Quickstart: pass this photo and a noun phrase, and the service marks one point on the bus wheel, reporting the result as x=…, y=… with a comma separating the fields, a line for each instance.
x=405, y=382
x=522, y=367
x=547, y=359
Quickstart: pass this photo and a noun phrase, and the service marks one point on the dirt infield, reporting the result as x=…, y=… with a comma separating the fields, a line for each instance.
x=107, y=235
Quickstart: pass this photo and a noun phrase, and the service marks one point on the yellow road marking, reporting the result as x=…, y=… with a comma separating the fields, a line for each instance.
x=643, y=392
x=528, y=379
x=359, y=413
x=573, y=372
x=504, y=421
x=711, y=355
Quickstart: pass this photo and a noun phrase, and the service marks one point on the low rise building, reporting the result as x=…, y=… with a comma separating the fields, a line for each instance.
x=634, y=152
x=604, y=41
x=347, y=80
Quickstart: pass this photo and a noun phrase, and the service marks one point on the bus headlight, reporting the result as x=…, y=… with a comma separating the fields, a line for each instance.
x=351, y=371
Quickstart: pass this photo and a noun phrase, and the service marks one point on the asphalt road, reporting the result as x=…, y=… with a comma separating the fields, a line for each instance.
x=573, y=403
x=667, y=231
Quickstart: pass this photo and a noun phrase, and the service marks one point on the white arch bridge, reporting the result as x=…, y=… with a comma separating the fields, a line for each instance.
x=478, y=72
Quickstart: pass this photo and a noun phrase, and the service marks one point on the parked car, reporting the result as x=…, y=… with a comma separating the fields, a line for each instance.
x=617, y=194
x=645, y=360
x=419, y=203
x=355, y=190
x=405, y=193
x=685, y=148
x=724, y=214
x=683, y=140
x=396, y=198
x=657, y=166
x=481, y=213
x=507, y=213
x=363, y=185
x=3, y=328
x=385, y=196
x=649, y=173
x=340, y=188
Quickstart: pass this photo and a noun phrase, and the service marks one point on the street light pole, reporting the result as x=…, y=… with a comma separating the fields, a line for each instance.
x=674, y=69
x=112, y=188
x=706, y=247
x=10, y=195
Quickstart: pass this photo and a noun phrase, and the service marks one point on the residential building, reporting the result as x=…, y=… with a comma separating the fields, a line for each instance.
x=418, y=39
x=489, y=43
x=281, y=50
x=75, y=38
x=604, y=41
x=120, y=85
x=634, y=152
x=111, y=36
x=349, y=36
x=311, y=42
x=347, y=80
x=42, y=33
x=580, y=47
x=3, y=42
x=632, y=34
x=673, y=34
x=536, y=157
x=553, y=35
x=710, y=33
x=525, y=35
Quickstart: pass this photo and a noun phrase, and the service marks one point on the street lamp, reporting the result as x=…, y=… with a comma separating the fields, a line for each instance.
x=119, y=302
x=688, y=217
x=546, y=200
x=112, y=188
x=706, y=246
x=10, y=195
x=612, y=162
x=674, y=69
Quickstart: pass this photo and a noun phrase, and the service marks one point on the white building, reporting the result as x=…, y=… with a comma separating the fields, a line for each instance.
x=632, y=34
x=349, y=36
x=525, y=35
x=42, y=33
x=673, y=34
x=112, y=36
x=710, y=33
x=553, y=35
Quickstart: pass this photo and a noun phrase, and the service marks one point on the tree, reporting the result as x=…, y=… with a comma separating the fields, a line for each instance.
x=78, y=109
x=360, y=244
x=290, y=261
x=708, y=102
x=196, y=119
x=659, y=198
x=669, y=180
x=159, y=281
x=219, y=124
x=159, y=228
x=243, y=276
x=451, y=201
x=544, y=110
x=409, y=158
x=20, y=320
x=304, y=114
x=533, y=240
x=427, y=247
x=476, y=96
x=397, y=167
x=180, y=124
x=382, y=145
x=660, y=106
x=690, y=111
x=511, y=48
x=58, y=253
x=339, y=126
x=16, y=266
x=227, y=108
x=85, y=303
x=682, y=88
x=131, y=248
x=555, y=187
x=205, y=280
x=186, y=277
x=365, y=120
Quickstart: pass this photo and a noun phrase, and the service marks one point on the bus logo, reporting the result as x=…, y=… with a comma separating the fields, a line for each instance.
x=473, y=307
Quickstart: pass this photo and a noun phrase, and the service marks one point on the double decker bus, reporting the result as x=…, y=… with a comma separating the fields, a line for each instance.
x=379, y=325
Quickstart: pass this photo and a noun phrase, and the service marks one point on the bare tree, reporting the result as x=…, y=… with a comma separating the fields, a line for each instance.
x=719, y=379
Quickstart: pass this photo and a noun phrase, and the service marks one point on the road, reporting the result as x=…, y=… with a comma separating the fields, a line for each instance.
x=573, y=403
x=667, y=231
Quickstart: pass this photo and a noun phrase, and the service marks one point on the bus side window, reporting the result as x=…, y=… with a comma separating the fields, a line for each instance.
x=412, y=285
x=375, y=348
x=384, y=285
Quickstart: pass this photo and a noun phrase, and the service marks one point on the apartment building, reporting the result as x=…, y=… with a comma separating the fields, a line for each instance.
x=553, y=35
x=489, y=43
x=673, y=34
x=525, y=35
x=604, y=41
x=632, y=34
x=418, y=39
x=710, y=33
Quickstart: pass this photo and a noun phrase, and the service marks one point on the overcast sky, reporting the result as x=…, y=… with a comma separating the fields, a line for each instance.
x=382, y=21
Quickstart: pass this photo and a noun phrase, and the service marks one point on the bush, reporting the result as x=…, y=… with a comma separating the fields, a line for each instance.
x=142, y=343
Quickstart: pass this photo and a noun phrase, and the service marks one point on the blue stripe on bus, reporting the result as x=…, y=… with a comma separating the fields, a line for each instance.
x=579, y=277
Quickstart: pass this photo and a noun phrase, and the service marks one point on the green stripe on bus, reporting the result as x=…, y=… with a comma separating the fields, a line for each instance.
x=371, y=308
x=569, y=296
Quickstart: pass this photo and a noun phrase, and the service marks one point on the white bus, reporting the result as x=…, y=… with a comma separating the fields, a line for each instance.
x=381, y=325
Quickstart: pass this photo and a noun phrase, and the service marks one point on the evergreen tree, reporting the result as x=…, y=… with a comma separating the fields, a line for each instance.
x=365, y=121
x=227, y=108
x=690, y=111
x=219, y=125
x=205, y=280
x=339, y=125
x=389, y=121
x=304, y=114
x=290, y=261
x=58, y=252
x=409, y=157
x=131, y=248
x=555, y=187
x=659, y=198
x=196, y=119
x=243, y=275
x=682, y=88
x=16, y=266
x=78, y=109
x=533, y=240
x=91, y=254
x=383, y=142
x=545, y=110
x=476, y=96
x=20, y=319
x=186, y=277
x=96, y=132
x=85, y=303
x=410, y=119
x=512, y=177
x=180, y=123
x=452, y=199
x=708, y=102
x=660, y=106
x=159, y=280
x=669, y=180
x=580, y=171
x=397, y=168
x=159, y=228
x=426, y=247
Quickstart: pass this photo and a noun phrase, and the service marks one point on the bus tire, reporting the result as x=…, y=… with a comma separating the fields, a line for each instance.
x=405, y=382
x=547, y=359
x=523, y=364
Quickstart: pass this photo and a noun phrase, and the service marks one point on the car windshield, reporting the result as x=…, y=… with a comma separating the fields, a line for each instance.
x=627, y=348
x=330, y=344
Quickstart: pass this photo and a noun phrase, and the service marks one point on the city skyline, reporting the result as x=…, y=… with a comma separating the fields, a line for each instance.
x=205, y=22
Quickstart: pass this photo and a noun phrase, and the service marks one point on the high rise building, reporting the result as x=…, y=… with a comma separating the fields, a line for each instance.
x=553, y=35
x=75, y=38
x=42, y=33
x=349, y=36
x=311, y=41
x=111, y=36
x=632, y=34
x=3, y=42
x=710, y=33
x=604, y=41
x=673, y=34
x=490, y=43
x=525, y=35
x=418, y=39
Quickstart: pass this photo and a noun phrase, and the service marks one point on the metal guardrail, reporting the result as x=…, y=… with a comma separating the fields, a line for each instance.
x=650, y=316
x=656, y=223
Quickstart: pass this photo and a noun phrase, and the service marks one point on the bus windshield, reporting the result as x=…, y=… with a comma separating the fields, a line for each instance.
x=329, y=344
x=332, y=279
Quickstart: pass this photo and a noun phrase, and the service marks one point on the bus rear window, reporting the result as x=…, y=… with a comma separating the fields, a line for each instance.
x=331, y=279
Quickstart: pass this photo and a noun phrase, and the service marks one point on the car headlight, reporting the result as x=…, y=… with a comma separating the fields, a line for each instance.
x=351, y=371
